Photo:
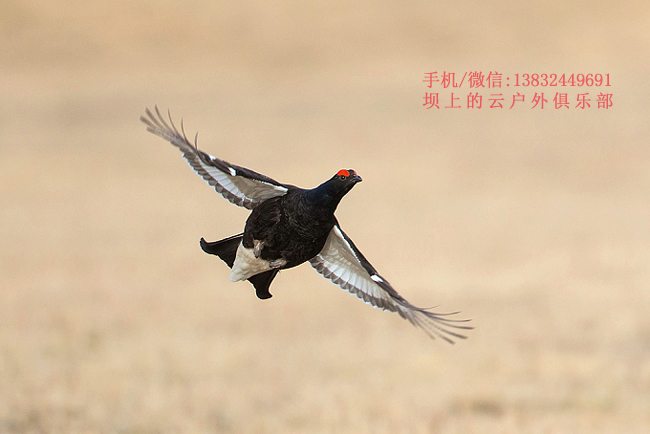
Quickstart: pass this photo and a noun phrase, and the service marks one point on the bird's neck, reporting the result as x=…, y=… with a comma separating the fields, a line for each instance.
x=325, y=197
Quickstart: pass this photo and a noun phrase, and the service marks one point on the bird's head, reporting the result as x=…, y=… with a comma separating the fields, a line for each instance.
x=332, y=191
x=348, y=175
x=344, y=180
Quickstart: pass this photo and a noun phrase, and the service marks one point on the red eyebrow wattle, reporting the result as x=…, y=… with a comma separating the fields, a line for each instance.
x=343, y=172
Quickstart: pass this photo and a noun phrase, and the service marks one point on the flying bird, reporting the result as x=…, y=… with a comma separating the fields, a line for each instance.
x=288, y=226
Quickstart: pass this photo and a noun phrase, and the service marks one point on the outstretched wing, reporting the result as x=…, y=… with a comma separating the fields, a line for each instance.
x=239, y=185
x=341, y=262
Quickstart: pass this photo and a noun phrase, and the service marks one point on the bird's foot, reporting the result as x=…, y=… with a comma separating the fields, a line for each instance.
x=257, y=248
x=278, y=263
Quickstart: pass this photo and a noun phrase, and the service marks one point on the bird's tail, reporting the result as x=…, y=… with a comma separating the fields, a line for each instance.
x=226, y=249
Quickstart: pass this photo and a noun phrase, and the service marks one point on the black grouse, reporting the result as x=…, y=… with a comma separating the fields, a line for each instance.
x=288, y=226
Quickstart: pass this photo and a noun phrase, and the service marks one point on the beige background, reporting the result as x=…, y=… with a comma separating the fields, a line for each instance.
x=534, y=223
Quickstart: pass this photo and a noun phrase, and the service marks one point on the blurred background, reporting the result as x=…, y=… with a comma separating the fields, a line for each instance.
x=535, y=223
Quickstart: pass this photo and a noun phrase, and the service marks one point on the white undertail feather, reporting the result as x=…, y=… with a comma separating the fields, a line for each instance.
x=247, y=265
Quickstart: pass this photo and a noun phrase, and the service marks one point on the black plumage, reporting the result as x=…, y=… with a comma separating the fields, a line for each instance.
x=288, y=226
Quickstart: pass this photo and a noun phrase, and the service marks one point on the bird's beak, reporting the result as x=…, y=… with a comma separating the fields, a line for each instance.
x=356, y=178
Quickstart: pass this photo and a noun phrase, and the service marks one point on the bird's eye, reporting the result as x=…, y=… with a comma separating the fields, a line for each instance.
x=342, y=177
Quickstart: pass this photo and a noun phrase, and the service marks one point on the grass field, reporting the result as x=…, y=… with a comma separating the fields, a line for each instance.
x=534, y=223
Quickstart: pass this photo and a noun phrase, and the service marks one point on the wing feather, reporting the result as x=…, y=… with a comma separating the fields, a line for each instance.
x=239, y=185
x=341, y=262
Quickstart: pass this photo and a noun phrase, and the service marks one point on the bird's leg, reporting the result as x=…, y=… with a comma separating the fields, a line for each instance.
x=257, y=248
x=278, y=263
